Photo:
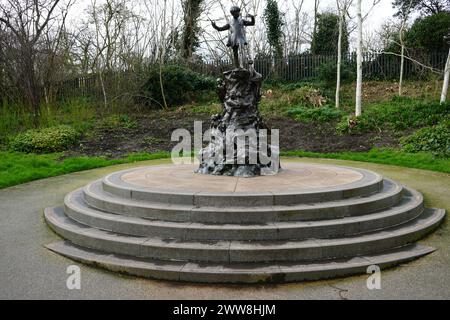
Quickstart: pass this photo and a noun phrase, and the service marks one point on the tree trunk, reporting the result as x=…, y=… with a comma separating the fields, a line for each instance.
x=358, y=109
x=102, y=84
x=402, y=66
x=316, y=13
x=446, y=80
x=192, y=11
x=162, y=54
x=339, y=57
x=32, y=88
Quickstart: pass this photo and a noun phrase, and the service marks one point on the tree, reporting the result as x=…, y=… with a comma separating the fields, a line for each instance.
x=426, y=7
x=274, y=23
x=359, y=78
x=326, y=38
x=446, y=72
x=108, y=20
x=26, y=22
x=296, y=31
x=403, y=14
x=428, y=32
x=359, y=58
x=316, y=16
x=343, y=7
x=190, y=38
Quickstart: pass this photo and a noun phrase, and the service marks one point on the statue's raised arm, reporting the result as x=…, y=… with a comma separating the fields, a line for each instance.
x=250, y=23
x=224, y=28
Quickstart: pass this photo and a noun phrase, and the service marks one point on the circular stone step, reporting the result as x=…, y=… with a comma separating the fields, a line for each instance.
x=309, y=222
x=237, y=273
x=297, y=183
x=409, y=208
x=391, y=194
x=243, y=251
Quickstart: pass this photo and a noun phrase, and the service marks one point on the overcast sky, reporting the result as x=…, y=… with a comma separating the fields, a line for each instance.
x=379, y=14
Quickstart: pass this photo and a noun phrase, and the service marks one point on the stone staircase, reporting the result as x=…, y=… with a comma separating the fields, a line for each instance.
x=185, y=234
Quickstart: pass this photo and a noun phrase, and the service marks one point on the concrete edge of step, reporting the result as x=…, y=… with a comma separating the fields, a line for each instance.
x=78, y=210
x=101, y=200
x=238, y=274
x=226, y=251
x=370, y=183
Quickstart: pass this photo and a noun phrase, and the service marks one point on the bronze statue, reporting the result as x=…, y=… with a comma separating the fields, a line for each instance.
x=239, y=144
x=237, y=39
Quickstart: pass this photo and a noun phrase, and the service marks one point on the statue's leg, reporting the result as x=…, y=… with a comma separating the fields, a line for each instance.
x=236, y=56
x=244, y=55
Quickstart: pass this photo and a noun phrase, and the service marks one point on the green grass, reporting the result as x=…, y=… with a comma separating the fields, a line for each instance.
x=17, y=168
x=425, y=161
x=399, y=113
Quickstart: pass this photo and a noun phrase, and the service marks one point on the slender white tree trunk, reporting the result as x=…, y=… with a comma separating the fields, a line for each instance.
x=162, y=54
x=446, y=80
x=339, y=54
x=402, y=66
x=404, y=15
x=359, y=78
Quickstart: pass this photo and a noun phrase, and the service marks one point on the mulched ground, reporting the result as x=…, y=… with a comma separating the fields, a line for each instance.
x=152, y=133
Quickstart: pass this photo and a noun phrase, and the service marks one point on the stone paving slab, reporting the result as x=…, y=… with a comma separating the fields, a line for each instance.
x=293, y=177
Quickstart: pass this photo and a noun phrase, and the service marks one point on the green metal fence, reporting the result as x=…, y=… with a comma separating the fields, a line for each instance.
x=305, y=67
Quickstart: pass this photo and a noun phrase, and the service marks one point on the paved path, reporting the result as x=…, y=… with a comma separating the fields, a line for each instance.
x=29, y=271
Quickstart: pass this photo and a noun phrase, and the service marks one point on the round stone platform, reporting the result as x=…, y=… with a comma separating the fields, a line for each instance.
x=294, y=176
x=296, y=183
x=308, y=222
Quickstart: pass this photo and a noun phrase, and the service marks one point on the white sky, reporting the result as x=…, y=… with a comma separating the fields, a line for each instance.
x=378, y=15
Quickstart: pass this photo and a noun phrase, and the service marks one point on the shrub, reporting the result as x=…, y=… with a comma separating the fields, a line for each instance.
x=434, y=139
x=327, y=73
x=325, y=38
x=322, y=114
x=181, y=85
x=428, y=32
x=48, y=140
x=307, y=97
x=397, y=114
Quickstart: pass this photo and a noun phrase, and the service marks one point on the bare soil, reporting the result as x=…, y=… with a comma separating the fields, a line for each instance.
x=152, y=133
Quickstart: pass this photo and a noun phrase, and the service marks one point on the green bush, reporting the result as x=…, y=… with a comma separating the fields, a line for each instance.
x=48, y=140
x=428, y=32
x=322, y=114
x=397, y=114
x=181, y=85
x=328, y=73
x=434, y=139
x=308, y=97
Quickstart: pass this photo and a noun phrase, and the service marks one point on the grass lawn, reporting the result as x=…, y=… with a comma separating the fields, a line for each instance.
x=18, y=168
x=425, y=161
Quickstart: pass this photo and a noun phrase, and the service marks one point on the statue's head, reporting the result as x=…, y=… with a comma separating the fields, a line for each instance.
x=235, y=11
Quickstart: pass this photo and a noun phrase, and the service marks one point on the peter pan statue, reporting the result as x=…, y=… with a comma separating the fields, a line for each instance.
x=237, y=39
